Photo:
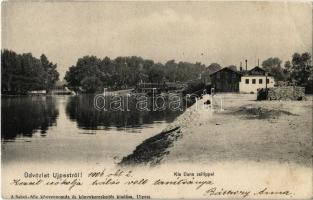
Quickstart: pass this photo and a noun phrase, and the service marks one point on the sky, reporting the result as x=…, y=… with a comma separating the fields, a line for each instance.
x=206, y=32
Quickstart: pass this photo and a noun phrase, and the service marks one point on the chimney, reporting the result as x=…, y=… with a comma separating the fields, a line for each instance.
x=246, y=64
x=240, y=66
x=258, y=62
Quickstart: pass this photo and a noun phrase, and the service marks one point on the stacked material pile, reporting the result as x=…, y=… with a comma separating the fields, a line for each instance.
x=286, y=93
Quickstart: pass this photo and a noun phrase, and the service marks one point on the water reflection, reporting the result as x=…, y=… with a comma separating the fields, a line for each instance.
x=81, y=109
x=74, y=130
x=22, y=116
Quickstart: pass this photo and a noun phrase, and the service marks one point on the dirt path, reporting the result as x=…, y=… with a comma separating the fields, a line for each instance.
x=245, y=130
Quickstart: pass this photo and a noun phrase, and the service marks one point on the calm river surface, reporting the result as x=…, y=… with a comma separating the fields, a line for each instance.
x=65, y=129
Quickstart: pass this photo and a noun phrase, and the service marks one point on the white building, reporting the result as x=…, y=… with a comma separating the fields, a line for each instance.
x=255, y=79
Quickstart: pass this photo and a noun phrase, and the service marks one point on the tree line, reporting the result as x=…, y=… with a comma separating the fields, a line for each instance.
x=298, y=71
x=22, y=73
x=91, y=74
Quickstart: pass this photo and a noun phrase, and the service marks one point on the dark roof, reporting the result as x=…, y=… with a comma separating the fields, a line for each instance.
x=225, y=68
x=243, y=72
x=254, y=71
x=258, y=71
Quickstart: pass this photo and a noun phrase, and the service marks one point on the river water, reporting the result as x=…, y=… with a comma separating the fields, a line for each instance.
x=65, y=129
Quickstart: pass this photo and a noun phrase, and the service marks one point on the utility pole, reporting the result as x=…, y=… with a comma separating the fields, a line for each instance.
x=266, y=80
x=266, y=92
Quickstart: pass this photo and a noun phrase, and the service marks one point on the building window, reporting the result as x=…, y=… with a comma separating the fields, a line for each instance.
x=247, y=81
x=253, y=81
x=260, y=81
x=267, y=81
x=218, y=76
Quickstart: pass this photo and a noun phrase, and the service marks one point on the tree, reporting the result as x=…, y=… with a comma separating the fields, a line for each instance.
x=182, y=71
x=51, y=75
x=156, y=73
x=288, y=66
x=213, y=67
x=302, y=69
x=170, y=70
x=91, y=84
x=86, y=67
x=124, y=72
x=273, y=66
x=22, y=73
x=32, y=76
x=10, y=66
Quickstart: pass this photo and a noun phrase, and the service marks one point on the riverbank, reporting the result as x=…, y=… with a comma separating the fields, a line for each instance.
x=243, y=130
x=115, y=92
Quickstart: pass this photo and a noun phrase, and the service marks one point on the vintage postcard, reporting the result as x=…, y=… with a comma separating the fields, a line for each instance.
x=156, y=100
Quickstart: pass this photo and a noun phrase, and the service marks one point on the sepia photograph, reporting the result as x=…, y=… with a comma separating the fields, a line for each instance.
x=156, y=99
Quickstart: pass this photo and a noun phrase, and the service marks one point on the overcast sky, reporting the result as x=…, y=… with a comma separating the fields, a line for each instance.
x=223, y=32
